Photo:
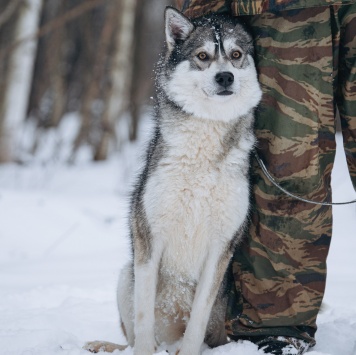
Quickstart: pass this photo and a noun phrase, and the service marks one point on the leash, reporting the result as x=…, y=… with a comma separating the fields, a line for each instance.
x=276, y=184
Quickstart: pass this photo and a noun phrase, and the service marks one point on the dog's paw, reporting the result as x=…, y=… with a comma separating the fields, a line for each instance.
x=101, y=346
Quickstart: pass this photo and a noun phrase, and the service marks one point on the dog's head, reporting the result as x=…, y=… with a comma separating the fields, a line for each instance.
x=209, y=70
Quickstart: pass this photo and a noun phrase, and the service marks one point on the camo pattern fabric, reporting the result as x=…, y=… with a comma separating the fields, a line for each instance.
x=306, y=64
x=196, y=8
x=346, y=92
x=255, y=7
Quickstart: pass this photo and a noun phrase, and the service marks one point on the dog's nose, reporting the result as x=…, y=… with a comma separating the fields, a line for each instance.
x=224, y=78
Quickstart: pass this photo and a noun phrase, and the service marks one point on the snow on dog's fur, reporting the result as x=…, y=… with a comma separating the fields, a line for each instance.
x=190, y=204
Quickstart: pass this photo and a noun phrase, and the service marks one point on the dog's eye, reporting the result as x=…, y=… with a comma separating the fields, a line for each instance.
x=236, y=55
x=203, y=56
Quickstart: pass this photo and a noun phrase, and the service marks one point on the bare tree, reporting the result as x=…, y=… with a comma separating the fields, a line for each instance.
x=94, y=57
x=97, y=90
x=18, y=72
x=117, y=100
x=149, y=36
x=116, y=97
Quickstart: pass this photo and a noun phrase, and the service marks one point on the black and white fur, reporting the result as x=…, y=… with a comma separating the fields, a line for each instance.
x=190, y=204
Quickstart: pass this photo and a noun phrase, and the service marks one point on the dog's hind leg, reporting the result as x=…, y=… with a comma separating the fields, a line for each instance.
x=125, y=296
x=212, y=275
x=216, y=333
x=125, y=304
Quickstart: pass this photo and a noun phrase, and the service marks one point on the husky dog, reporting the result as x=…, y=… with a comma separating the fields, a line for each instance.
x=189, y=207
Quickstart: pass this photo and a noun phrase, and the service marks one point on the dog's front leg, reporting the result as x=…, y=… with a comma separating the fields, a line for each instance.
x=207, y=289
x=146, y=275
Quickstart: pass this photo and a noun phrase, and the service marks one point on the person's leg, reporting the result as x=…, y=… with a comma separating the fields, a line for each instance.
x=346, y=94
x=280, y=269
x=197, y=8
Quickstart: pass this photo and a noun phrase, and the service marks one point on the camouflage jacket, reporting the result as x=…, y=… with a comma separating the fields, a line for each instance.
x=196, y=8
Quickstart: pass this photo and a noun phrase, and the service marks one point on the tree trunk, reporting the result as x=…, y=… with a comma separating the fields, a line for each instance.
x=121, y=67
x=135, y=72
x=95, y=87
x=13, y=105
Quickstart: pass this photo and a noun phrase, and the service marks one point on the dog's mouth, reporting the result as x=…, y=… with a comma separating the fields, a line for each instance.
x=225, y=93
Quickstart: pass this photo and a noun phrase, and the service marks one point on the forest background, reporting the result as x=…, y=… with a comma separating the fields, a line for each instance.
x=89, y=57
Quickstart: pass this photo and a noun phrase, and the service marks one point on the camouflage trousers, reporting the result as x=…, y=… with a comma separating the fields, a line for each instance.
x=306, y=60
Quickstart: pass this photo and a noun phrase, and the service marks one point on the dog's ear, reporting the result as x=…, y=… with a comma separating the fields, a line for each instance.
x=178, y=27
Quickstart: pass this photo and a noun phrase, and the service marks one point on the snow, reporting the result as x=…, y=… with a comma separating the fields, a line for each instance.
x=63, y=240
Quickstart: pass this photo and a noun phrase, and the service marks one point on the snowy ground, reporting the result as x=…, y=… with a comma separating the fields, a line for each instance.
x=63, y=240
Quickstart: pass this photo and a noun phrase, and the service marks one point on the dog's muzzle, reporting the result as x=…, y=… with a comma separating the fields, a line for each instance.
x=225, y=79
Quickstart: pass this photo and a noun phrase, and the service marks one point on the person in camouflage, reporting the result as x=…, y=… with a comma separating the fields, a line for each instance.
x=305, y=53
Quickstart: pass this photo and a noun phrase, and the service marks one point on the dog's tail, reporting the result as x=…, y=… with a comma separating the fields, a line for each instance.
x=97, y=346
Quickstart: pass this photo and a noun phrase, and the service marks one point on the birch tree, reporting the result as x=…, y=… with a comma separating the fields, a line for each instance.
x=121, y=68
x=117, y=100
x=18, y=77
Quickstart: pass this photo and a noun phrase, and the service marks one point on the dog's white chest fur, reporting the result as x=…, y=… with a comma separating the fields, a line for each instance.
x=198, y=195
